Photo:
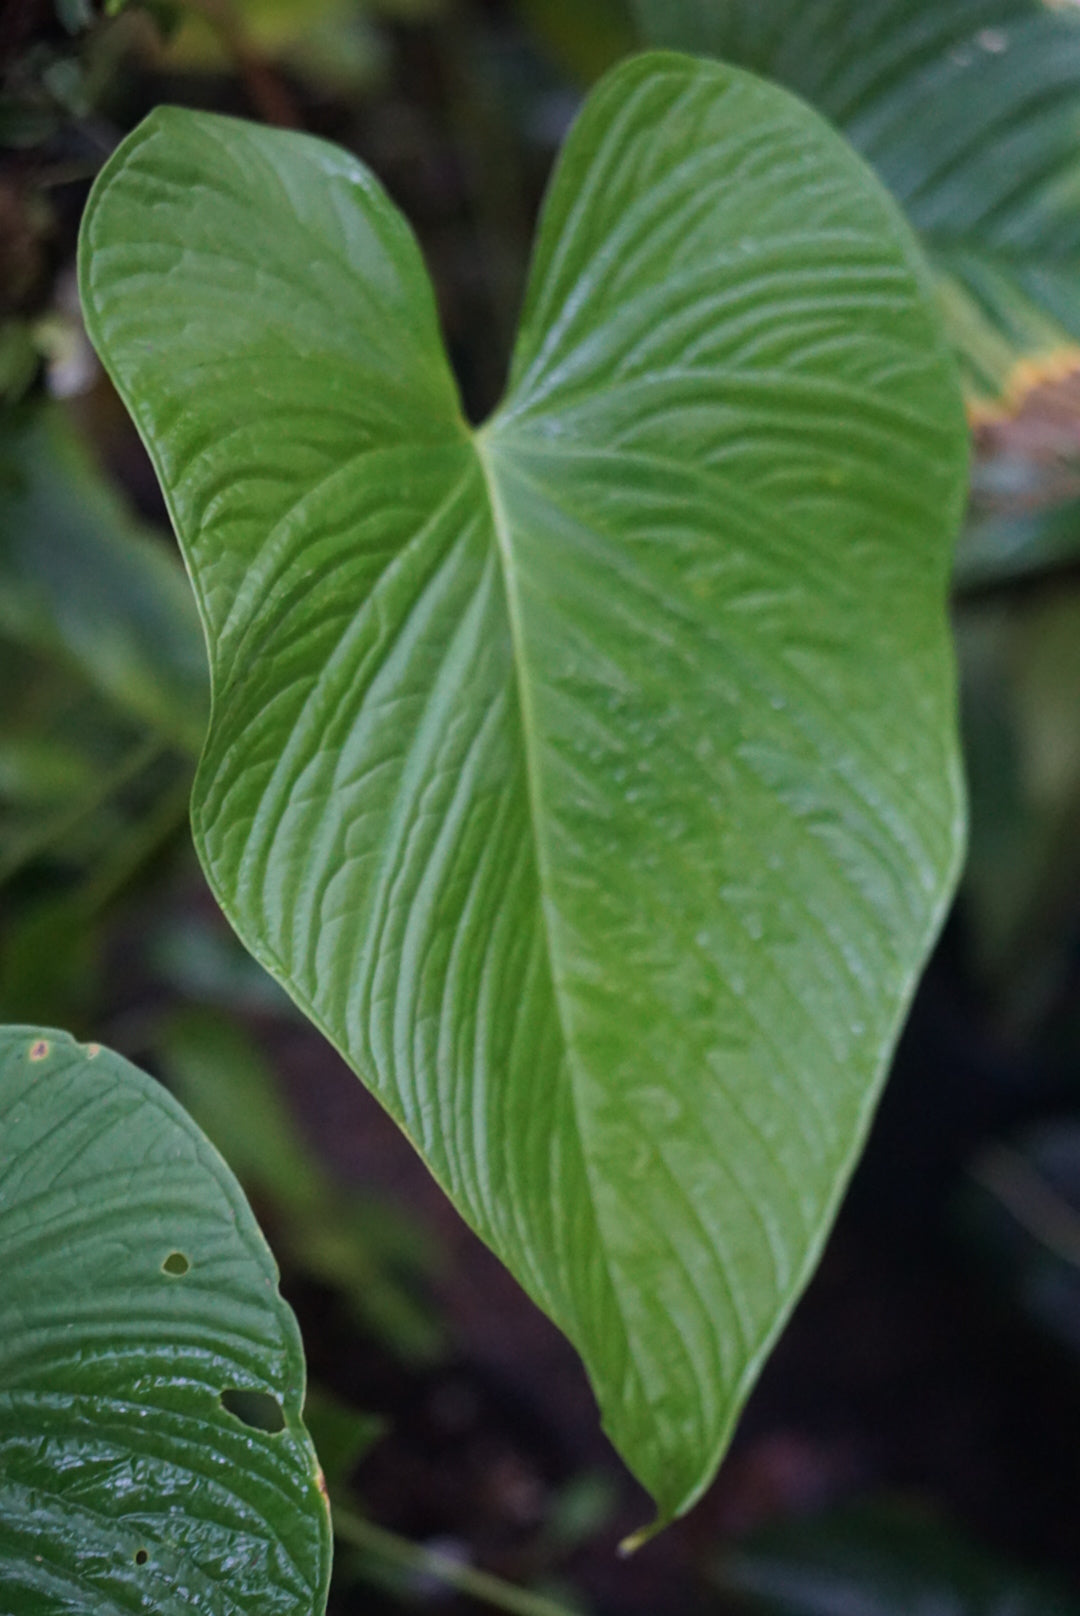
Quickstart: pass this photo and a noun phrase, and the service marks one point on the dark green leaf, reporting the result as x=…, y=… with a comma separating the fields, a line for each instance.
x=880, y=1561
x=342, y=1435
x=50, y=960
x=19, y=358
x=137, y=1291
x=1021, y=690
x=590, y=780
x=105, y=696
x=584, y=40
x=226, y=1084
x=77, y=576
x=969, y=111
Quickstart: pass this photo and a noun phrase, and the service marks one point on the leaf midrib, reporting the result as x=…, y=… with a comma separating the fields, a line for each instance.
x=504, y=549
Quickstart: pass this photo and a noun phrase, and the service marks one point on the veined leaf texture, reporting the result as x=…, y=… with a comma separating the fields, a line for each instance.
x=590, y=779
x=969, y=111
x=139, y=1297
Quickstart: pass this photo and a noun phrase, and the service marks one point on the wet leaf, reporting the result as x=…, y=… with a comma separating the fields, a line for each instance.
x=137, y=1291
x=589, y=779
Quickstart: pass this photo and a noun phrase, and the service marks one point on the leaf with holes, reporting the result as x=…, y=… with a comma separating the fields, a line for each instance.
x=590, y=779
x=152, y=1454
x=970, y=111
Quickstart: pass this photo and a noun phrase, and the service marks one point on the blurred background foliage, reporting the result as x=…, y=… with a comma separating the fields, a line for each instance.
x=926, y=1400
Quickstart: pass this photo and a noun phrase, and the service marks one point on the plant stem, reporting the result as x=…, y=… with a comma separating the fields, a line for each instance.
x=414, y=1557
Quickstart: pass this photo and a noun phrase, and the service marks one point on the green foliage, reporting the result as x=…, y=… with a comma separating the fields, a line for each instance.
x=326, y=43
x=969, y=111
x=105, y=698
x=138, y=1293
x=883, y=1560
x=589, y=779
x=82, y=582
x=585, y=40
x=1021, y=689
x=343, y=1435
x=354, y=1245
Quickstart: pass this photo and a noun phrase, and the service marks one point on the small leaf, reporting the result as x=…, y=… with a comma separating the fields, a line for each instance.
x=137, y=1291
x=969, y=111
x=590, y=780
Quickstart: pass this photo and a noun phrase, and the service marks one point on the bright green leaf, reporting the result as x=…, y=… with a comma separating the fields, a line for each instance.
x=970, y=111
x=137, y=1291
x=591, y=780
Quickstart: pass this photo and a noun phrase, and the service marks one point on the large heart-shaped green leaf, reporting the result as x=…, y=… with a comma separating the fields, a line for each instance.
x=137, y=1291
x=591, y=779
x=970, y=111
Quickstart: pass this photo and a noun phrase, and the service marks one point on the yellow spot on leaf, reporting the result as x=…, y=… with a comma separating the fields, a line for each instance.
x=40, y=1049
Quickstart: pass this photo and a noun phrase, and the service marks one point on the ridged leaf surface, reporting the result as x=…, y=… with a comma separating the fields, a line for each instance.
x=136, y=1290
x=589, y=779
x=970, y=111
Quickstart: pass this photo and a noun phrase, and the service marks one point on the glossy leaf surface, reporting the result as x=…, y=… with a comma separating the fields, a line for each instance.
x=591, y=779
x=970, y=111
x=137, y=1290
